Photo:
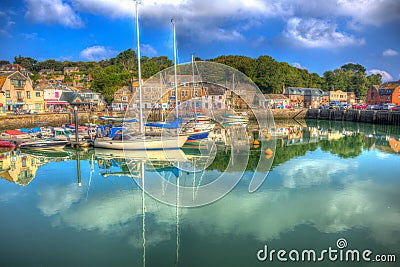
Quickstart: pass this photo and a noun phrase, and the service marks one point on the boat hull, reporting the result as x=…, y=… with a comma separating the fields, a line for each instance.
x=56, y=144
x=148, y=143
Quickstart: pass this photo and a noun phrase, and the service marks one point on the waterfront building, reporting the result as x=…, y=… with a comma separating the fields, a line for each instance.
x=214, y=97
x=276, y=101
x=17, y=94
x=122, y=98
x=351, y=98
x=52, y=95
x=295, y=96
x=385, y=93
x=84, y=99
x=338, y=96
x=304, y=97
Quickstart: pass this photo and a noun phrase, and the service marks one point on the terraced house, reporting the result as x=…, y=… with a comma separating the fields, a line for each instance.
x=385, y=93
x=17, y=94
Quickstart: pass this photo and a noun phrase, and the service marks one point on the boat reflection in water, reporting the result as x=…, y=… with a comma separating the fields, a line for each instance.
x=320, y=189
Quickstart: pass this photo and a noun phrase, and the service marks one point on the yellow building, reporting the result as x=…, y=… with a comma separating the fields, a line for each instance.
x=18, y=95
x=337, y=96
x=19, y=169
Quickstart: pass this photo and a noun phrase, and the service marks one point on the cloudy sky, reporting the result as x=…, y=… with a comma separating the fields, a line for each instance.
x=313, y=34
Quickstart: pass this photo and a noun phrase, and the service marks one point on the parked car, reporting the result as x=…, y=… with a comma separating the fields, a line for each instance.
x=359, y=106
x=324, y=106
x=396, y=108
x=388, y=106
x=371, y=107
x=385, y=106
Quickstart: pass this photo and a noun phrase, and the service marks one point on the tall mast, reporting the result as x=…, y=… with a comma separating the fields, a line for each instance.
x=141, y=126
x=194, y=89
x=175, y=78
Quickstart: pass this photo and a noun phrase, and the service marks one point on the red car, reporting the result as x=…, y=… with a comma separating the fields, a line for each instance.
x=396, y=108
x=359, y=106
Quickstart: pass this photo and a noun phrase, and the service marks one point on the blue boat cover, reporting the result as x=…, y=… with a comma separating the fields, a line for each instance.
x=167, y=125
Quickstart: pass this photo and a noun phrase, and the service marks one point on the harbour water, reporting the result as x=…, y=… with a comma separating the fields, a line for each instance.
x=331, y=183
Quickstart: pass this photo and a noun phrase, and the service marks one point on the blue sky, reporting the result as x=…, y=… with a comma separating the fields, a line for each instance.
x=313, y=34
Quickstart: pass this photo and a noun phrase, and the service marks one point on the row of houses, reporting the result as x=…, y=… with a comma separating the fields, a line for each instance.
x=307, y=97
x=155, y=96
x=17, y=95
x=212, y=96
x=70, y=76
x=385, y=93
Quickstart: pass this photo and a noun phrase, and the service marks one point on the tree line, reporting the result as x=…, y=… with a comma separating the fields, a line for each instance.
x=267, y=73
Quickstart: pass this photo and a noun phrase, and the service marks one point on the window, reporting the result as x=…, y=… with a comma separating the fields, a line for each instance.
x=196, y=93
x=28, y=94
x=8, y=93
x=124, y=99
x=182, y=93
x=19, y=95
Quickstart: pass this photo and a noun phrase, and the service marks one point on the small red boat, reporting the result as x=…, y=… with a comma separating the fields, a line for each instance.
x=16, y=134
x=7, y=144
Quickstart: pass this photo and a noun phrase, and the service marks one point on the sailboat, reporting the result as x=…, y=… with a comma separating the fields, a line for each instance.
x=139, y=141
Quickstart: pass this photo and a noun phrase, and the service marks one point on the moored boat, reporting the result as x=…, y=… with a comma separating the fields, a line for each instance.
x=7, y=144
x=142, y=143
x=44, y=144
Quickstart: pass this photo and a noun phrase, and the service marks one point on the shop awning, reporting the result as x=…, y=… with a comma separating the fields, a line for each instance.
x=57, y=103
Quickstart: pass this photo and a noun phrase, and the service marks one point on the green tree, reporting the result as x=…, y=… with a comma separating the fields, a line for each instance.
x=107, y=80
x=374, y=79
x=4, y=62
x=357, y=68
x=127, y=59
x=25, y=62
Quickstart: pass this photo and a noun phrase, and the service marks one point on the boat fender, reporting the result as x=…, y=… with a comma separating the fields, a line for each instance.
x=99, y=135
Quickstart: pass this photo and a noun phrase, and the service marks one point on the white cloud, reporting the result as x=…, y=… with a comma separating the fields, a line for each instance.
x=385, y=75
x=53, y=200
x=298, y=171
x=298, y=65
x=52, y=12
x=96, y=53
x=390, y=52
x=148, y=50
x=312, y=33
x=369, y=12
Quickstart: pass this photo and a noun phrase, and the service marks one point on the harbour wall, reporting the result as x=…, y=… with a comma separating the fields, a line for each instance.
x=34, y=120
x=368, y=116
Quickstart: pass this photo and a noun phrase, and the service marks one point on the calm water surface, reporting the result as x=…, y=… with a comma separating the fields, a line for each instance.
x=328, y=181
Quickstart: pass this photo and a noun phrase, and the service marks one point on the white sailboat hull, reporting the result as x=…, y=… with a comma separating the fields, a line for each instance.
x=148, y=143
